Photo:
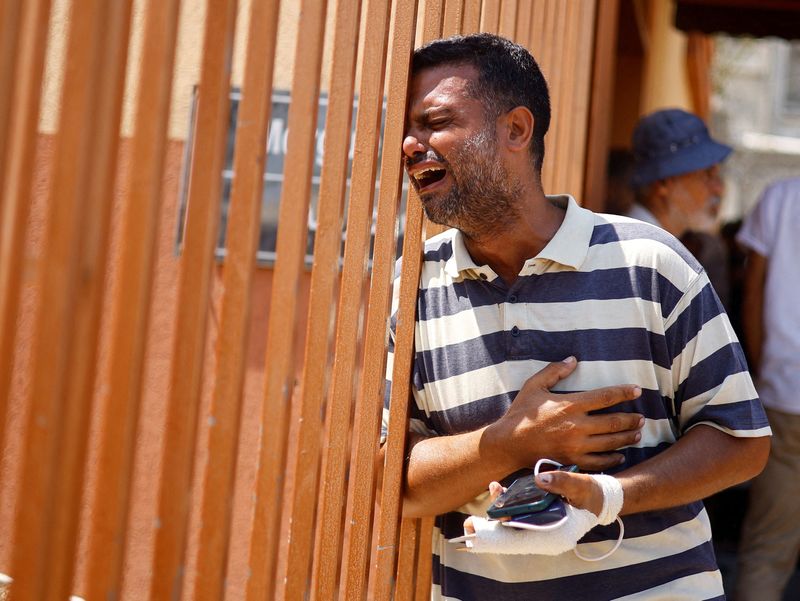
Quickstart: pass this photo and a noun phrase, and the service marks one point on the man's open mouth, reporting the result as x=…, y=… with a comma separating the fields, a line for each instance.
x=428, y=176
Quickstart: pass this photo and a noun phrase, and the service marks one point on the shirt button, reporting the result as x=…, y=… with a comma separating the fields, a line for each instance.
x=484, y=276
x=512, y=298
x=515, y=331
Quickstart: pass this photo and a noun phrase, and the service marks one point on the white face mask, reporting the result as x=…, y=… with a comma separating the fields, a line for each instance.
x=519, y=538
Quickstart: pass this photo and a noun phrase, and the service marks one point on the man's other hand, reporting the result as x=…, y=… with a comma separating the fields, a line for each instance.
x=540, y=423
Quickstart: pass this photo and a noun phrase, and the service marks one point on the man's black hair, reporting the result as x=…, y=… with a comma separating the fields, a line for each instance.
x=508, y=77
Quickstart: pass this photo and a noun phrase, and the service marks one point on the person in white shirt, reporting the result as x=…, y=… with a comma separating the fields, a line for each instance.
x=770, y=539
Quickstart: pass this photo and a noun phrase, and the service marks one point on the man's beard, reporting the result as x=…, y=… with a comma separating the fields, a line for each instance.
x=483, y=197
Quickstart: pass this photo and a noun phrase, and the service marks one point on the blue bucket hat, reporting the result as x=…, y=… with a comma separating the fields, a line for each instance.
x=672, y=142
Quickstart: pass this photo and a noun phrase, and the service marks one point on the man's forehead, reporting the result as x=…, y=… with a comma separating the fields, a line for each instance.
x=439, y=84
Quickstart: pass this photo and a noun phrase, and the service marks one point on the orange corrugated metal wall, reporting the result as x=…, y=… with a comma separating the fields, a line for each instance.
x=313, y=528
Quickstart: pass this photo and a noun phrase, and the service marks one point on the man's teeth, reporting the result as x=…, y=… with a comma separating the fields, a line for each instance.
x=428, y=170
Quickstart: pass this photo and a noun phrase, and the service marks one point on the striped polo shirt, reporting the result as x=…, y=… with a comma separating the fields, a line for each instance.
x=634, y=307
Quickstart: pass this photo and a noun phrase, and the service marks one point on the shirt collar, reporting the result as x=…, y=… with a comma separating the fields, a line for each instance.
x=460, y=261
x=642, y=213
x=569, y=246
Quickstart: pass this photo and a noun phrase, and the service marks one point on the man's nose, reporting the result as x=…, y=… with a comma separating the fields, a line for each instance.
x=412, y=145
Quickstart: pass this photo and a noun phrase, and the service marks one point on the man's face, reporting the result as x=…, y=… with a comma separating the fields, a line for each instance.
x=451, y=154
x=694, y=198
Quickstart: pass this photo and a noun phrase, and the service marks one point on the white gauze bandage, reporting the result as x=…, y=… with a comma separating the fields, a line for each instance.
x=612, y=498
x=492, y=536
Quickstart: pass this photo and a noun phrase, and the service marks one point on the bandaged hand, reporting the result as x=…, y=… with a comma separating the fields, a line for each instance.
x=490, y=536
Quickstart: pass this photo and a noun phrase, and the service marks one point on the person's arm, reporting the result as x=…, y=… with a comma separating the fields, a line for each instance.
x=444, y=472
x=753, y=307
x=702, y=462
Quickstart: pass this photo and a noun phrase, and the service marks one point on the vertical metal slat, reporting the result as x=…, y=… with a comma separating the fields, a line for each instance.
x=490, y=16
x=564, y=81
x=433, y=20
x=583, y=23
x=193, y=300
x=392, y=489
x=523, y=24
x=507, y=26
x=17, y=178
x=537, y=29
x=327, y=548
x=453, y=18
x=603, y=67
x=39, y=529
x=130, y=305
x=10, y=21
x=550, y=71
x=108, y=86
x=407, y=560
x=424, y=560
x=322, y=302
x=472, y=16
x=367, y=421
x=216, y=503
x=291, y=245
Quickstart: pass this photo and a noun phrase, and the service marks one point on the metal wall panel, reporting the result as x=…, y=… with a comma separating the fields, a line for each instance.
x=322, y=526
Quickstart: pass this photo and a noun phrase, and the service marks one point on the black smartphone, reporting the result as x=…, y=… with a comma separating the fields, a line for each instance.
x=555, y=512
x=523, y=496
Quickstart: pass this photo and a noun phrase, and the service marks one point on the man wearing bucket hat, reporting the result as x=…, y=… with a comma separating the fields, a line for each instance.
x=676, y=172
x=678, y=186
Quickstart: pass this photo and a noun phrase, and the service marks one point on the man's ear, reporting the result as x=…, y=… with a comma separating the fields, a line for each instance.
x=662, y=189
x=518, y=129
x=659, y=196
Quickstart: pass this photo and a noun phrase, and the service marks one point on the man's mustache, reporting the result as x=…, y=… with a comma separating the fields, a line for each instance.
x=431, y=155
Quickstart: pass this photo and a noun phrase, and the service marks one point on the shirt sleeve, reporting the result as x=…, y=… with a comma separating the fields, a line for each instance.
x=711, y=381
x=756, y=231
